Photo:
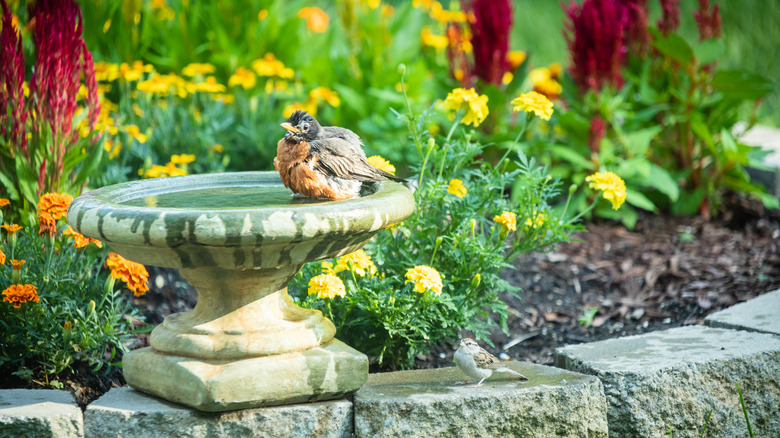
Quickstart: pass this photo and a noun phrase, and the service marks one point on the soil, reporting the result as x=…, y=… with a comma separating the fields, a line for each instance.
x=667, y=272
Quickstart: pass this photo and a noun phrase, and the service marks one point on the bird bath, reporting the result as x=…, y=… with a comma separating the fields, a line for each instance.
x=238, y=238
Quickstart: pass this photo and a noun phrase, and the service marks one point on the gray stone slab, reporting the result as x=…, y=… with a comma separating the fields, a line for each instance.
x=669, y=380
x=125, y=412
x=38, y=413
x=761, y=314
x=430, y=403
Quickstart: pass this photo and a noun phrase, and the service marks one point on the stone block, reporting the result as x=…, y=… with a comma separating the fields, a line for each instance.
x=670, y=380
x=125, y=412
x=761, y=314
x=430, y=403
x=39, y=413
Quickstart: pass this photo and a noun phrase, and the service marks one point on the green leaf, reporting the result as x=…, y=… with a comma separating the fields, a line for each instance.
x=689, y=202
x=9, y=186
x=702, y=131
x=638, y=142
x=739, y=84
x=708, y=51
x=566, y=153
x=352, y=99
x=662, y=181
x=673, y=46
x=638, y=199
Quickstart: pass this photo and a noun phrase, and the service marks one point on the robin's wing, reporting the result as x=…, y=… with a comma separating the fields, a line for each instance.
x=345, y=134
x=336, y=157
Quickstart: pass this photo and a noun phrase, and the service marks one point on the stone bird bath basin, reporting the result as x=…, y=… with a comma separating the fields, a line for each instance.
x=238, y=238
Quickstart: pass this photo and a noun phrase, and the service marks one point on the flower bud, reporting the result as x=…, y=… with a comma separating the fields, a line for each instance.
x=91, y=308
x=476, y=280
x=402, y=69
x=473, y=225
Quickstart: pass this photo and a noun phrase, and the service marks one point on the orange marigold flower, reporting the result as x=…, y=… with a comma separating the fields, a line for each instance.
x=4, y=202
x=12, y=229
x=316, y=19
x=19, y=294
x=133, y=274
x=2, y=257
x=17, y=264
x=80, y=240
x=46, y=224
x=56, y=204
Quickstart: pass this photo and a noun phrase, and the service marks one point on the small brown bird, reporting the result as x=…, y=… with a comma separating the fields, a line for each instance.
x=477, y=363
x=323, y=161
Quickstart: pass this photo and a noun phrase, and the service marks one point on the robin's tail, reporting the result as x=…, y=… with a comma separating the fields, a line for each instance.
x=390, y=176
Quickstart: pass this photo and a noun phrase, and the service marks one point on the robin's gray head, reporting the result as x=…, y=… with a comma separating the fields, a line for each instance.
x=301, y=126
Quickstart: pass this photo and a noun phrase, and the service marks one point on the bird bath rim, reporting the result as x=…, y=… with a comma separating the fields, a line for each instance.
x=125, y=217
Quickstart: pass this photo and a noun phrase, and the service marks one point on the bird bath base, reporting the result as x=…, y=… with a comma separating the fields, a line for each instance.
x=238, y=238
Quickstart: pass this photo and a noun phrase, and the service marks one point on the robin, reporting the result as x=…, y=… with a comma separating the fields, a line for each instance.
x=323, y=161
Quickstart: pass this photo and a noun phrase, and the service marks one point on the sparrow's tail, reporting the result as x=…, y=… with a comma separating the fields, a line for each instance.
x=507, y=370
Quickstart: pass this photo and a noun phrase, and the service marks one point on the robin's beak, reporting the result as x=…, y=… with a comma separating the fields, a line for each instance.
x=290, y=128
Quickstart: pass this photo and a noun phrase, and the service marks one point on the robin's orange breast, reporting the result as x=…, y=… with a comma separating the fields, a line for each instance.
x=297, y=171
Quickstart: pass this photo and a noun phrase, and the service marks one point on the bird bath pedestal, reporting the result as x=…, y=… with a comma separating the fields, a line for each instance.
x=238, y=238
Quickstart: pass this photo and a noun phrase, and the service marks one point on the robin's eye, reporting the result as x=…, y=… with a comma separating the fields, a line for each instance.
x=305, y=127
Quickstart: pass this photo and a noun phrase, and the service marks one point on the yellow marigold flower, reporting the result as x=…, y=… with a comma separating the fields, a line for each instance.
x=432, y=40
x=11, y=229
x=106, y=25
x=133, y=72
x=309, y=106
x=224, y=98
x=218, y=148
x=515, y=58
x=137, y=110
x=106, y=72
x=55, y=204
x=80, y=240
x=535, y=221
x=19, y=294
x=475, y=105
x=362, y=264
x=2, y=257
x=172, y=170
x=196, y=68
x=182, y=159
x=507, y=78
x=210, y=85
x=156, y=171
x=325, y=94
x=46, y=224
x=242, y=77
x=534, y=102
x=262, y=15
x=456, y=187
x=381, y=164
x=133, y=274
x=543, y=82
x=268, y=65
x=112, y=148
x=424, y=278
x=316, y=18
x=613, y=186
x=507, y=219
x=135, y=132
x=326, y=286
x=154, y=85
x=4, y=202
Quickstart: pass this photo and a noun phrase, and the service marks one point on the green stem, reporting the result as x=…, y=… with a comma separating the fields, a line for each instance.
x=528, y=118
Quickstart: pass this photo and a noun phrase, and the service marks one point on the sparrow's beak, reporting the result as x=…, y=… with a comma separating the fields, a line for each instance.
x=462, y=344
x=290, y=128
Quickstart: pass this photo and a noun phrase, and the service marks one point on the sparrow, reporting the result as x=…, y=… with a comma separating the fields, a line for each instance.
x=323, y=161
x=477, y=363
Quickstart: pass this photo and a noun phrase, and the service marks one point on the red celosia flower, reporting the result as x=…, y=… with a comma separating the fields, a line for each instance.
x=636, y=29
x=12, y=78
x=670, y=18
x=708, y=21
x=61, y=57
x=490, y=40
x=595, y=34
